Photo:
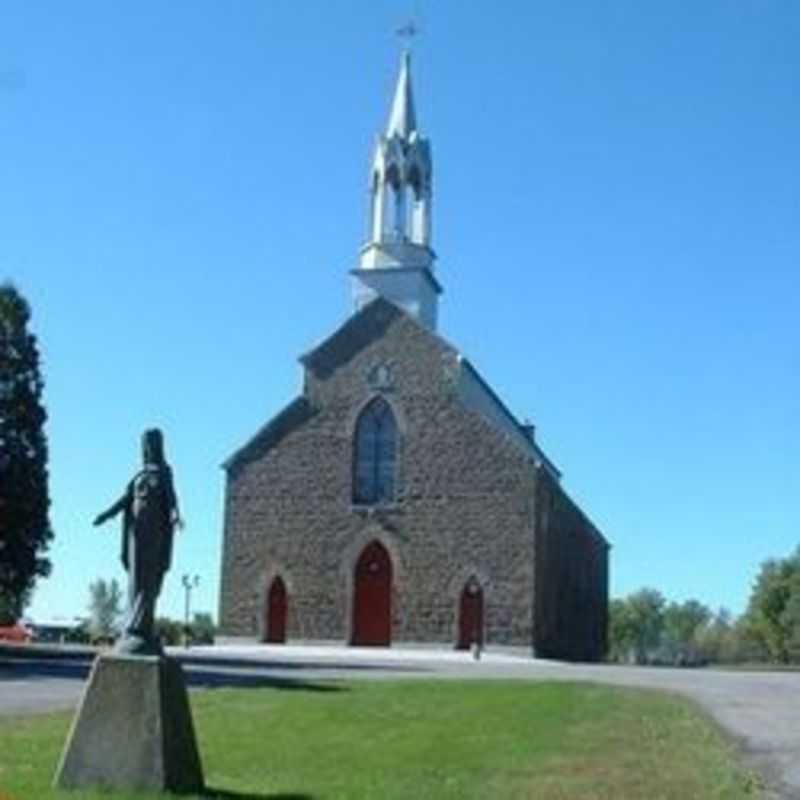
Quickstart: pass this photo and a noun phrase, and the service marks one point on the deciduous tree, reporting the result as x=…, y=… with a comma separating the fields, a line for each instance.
x=105, y=608
x=635, y=626
x=647, y=617
x=683, y=623
x=773, y=613
x=621, y=631
x=790, y=618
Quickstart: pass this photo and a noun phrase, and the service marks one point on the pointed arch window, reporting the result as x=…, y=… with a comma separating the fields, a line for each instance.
x=375, y=454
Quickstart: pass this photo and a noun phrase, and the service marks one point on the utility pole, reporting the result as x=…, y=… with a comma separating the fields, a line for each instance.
x=189, y=583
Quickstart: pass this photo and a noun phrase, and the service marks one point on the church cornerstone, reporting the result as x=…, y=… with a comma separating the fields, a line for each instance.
x=133, y=730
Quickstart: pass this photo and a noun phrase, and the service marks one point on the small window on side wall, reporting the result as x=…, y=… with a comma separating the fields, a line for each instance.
x=374, y=456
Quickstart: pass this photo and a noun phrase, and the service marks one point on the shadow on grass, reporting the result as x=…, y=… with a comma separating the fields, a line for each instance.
x=222, y=680
x=188, y=660
x=224, y=794
x=74, y=659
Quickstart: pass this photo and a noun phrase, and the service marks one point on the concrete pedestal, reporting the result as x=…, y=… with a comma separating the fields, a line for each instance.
x=133, y=730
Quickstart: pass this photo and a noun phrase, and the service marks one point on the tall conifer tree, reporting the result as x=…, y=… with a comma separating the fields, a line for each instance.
x=24, y=498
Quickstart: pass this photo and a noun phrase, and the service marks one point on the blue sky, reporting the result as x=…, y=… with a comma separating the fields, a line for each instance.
x=183, y=189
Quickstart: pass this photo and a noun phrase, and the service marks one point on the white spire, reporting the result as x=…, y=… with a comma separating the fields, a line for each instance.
x=397, y=259
x=403, y=120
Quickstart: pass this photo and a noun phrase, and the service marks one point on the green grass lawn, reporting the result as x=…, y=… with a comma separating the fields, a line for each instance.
x=425, y=739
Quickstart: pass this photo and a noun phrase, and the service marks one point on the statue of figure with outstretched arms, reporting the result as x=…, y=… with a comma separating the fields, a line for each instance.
x=149, y=509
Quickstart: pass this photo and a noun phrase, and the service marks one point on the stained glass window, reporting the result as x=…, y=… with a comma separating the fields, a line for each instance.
x=375, y=452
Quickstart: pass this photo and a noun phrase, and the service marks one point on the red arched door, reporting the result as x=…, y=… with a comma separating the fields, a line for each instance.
x=372, y=598
x=470, y=615
x=277, y=606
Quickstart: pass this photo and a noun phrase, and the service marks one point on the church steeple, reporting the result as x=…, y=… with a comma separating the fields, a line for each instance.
x=403, y=120
x=397, y=260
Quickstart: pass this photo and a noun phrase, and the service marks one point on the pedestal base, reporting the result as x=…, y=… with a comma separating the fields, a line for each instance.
x=133, y=730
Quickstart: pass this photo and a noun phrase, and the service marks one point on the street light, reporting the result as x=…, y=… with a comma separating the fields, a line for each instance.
x=189, y=583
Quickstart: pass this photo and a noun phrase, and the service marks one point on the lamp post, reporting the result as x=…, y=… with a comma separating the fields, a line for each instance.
x=189, y=583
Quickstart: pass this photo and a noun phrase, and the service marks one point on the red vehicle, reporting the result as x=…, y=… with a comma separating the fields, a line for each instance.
x=18, y=632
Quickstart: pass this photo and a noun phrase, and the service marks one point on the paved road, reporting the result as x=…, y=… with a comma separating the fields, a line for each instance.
x=760, y=709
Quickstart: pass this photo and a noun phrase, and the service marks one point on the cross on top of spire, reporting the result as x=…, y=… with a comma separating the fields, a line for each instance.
x=407, y=32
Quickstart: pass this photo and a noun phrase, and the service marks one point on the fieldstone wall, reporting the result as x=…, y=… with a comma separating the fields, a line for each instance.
x=571, y=619
x=465, y=505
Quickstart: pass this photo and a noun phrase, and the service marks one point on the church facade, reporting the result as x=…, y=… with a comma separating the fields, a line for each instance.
x=397, y=499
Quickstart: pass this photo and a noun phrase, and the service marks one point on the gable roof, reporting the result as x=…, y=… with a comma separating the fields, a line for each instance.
x=591, y=529
x=357, y=332
x=510, y=424
x=283, y=423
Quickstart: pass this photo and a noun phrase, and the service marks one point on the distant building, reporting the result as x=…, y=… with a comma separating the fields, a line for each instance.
x=397, y=498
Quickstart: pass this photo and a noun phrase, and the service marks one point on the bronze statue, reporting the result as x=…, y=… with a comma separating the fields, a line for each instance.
x=150, y=515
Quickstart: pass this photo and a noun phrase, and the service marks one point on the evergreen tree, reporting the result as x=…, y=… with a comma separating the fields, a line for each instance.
x=24, y=499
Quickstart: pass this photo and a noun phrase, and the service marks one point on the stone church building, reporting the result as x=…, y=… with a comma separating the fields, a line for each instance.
x=397, y=499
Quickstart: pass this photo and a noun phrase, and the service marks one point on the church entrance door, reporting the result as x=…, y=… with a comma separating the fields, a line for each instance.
x=470, y=615
x=277, y=607
x=372, y=598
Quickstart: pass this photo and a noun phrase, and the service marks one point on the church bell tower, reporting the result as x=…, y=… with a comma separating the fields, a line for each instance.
x=396, y=261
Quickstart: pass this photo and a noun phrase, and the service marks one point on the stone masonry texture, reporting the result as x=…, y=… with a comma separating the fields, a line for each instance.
x=468, y=502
